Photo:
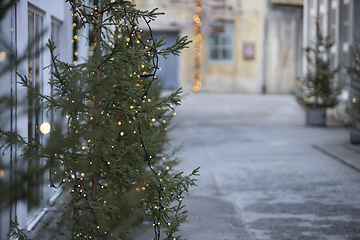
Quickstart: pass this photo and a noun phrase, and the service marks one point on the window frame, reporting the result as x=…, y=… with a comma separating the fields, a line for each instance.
x=221, y=46
x=35, y=113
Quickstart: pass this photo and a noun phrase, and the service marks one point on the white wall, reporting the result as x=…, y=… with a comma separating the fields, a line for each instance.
x=54, y=9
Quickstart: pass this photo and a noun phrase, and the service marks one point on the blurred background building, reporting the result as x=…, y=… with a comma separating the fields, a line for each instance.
x=339, y=19
x=246, y=46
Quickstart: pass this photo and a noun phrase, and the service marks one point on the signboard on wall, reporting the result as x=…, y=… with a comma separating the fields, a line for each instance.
x=288, y=2
x=249, y=51
x=207, y=28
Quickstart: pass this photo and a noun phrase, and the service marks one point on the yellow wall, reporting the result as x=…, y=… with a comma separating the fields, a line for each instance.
x=274, y=62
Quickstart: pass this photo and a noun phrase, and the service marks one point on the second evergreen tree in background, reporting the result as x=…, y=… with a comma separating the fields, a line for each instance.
x=318, y=90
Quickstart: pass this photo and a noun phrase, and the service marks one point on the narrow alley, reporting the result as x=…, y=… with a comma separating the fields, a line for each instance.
x=264, y=174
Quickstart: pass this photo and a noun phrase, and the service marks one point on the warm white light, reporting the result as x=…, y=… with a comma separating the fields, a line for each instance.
x=2, y=56
x=45, y=128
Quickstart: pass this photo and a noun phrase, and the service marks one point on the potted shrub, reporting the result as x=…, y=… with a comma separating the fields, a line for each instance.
x=318, y=90
x=353, y=109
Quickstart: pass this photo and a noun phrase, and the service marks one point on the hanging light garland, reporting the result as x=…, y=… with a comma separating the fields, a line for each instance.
x=197, y=24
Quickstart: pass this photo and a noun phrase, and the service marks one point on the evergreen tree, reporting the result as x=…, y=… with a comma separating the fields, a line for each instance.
x=113, y=154
x=318, y=88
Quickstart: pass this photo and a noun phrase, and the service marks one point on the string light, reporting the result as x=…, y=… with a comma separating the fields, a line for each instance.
x=73, y=127
x=2, y=56
x=45, y=128
x=197, y=24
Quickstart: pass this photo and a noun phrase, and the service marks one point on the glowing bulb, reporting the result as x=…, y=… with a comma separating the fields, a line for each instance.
x=196, y=88
x=2, y=56
x=45, y=128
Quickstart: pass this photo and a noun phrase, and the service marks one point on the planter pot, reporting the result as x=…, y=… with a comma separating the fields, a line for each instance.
x=315, y=117
x=354, y=136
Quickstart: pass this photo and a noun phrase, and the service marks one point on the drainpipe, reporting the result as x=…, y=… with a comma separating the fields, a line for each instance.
x=263, y=87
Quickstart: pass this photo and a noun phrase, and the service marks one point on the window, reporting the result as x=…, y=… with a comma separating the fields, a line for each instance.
x=55, y=34
x=345, y=35
x=332, y=24
x=332, y=61
x=333, y=29
x=321, y=23
x=221, y=42
x=35, y=28
x=346, y=22
x=312, y=32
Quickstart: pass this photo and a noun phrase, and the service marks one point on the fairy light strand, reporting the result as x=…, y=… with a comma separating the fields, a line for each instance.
x=197, y=42
x=80, y=12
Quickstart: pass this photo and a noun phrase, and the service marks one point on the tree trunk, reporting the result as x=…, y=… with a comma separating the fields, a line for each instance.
x=97, y=107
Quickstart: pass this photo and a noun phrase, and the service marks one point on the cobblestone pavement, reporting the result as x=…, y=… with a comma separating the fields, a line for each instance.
x=264, y=174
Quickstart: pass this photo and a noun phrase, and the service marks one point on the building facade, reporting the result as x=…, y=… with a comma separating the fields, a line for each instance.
x=241, y=46
x=24, y=30
x=340, y=20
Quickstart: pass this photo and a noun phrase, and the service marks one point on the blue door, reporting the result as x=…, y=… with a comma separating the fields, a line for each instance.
x=169, y=72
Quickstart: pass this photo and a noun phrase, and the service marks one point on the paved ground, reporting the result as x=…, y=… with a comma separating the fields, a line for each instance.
x=264, y=174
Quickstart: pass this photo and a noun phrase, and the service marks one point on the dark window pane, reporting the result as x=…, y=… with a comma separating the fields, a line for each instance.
x=214, y=53
x=227, y=54
x=346, y=33
x=346, y=12
x=321, y=23
x=332, y=61
x=227, y=39
x=213, y=39
x=333, y=16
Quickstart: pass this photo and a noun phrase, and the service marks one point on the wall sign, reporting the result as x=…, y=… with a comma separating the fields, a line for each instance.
x=249, y=51
x=288, y=2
